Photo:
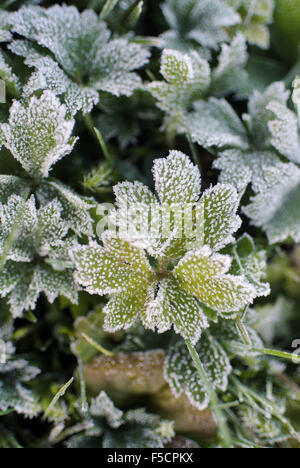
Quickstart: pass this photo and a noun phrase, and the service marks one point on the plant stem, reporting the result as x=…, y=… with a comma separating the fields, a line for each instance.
x=194, y=153
x=243, y=331
x=84, y=403
x=280, y=354
x=104, y=148
x=221, y=421
x=97, y=346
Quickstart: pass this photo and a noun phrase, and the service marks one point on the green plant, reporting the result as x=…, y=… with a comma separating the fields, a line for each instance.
x=139, y=311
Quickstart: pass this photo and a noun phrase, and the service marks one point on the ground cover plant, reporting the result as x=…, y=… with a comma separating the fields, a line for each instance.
x=150, y=224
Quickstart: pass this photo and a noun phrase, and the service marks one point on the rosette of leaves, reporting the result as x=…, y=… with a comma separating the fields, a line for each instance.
x=74, y=55
x=188, y=78
x=261, y=149
x=165, y=278
x=109, y=427
x=15, y=375
x=37, y=230
x=255, y=18
x=35, y=244
x=198, y=25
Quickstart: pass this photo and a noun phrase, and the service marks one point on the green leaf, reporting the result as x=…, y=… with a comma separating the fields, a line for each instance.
x=256, y=16
x=14, y=394
x=75, y=209
x=174, y=306
x=100, y=273
x=220, y=205
x=102, y=406
x=214, y=124
x=187, y=77
x=251, y=262
x=285, y=131
x=177, y=180
x=123, y=309
x=18, y=223
x=85, y=59
x=183, y=377
x=276, y=207
x=205, y=275
x=38, y=134
x=194, y=24
x=10, y=79
x=230, y=72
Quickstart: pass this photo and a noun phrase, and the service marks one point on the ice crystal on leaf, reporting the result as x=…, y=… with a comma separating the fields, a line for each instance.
x=189, y=78
x=5, y=34
x=183, y=279
x=35, y=260
x=183, y=377
x=84, y=59
x=199, y=25
x=109, y=427
x=10, y=79
x=38, y=134
x=15, y=374
x=248, y=153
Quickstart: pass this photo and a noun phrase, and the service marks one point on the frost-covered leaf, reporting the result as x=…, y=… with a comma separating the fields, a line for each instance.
x=10, y=79
x=177, y=180
x=55, y=283
x=38, y=134
x=11, y=185
x=130, y=193
x=259, y=113
x=109, y=427
x=197, y=24
x=18, y=223
x=133, y=436
x=5, y=34
x=35, y=254
x=100, y=272
x=285, y=131
x=174, y=306
x=220, y=205
x=251, y=262
x=183, y=377
x=205, y=275
x=85, y=61
x=255, y=16
x=226, y=333
x=102, y=406
x=124, y=308
x=239, y=168
x=75, y=209
x=14, y=375
x=275, y=207
x=187, y=77
x=51, y=226
x=215, y=124
x=273, y=320
x=229, y=73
